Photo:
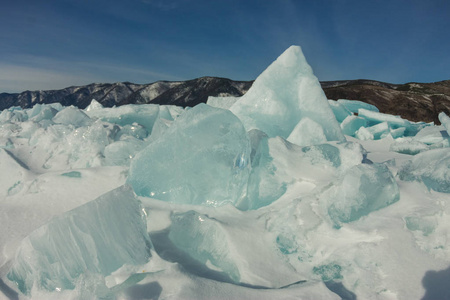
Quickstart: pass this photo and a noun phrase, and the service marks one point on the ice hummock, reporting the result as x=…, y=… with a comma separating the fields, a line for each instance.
x=285, y=93
x=430, y=167
x=205, y=240
x=96, y=238
x=203, y=158
x=265, y=215
x=363, y=189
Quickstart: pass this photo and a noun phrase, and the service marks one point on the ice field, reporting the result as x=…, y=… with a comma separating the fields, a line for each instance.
x=278, y=194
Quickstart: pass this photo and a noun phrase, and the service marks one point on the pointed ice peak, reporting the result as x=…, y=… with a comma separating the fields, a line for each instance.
x=94, y=105
x=292, y=57
x=285, y=93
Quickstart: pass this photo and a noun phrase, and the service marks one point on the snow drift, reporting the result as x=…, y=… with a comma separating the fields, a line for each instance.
x=279, y=194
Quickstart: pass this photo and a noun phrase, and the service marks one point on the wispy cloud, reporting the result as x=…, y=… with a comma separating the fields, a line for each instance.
x=15, y=78
x=43, y=73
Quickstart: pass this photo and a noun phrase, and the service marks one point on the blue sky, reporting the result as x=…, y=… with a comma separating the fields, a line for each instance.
x=55, y=44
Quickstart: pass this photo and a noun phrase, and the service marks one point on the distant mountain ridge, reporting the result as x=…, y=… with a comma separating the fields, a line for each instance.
x=413, y=101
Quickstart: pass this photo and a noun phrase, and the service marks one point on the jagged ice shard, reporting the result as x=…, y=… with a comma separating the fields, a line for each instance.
x=266, y=201
x=285, y=93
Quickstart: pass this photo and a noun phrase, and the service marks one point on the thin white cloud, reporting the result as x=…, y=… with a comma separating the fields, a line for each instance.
x=15, y=78
x=42, y=73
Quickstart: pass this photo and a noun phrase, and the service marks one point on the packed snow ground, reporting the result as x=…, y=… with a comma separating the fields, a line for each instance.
x=279, y=194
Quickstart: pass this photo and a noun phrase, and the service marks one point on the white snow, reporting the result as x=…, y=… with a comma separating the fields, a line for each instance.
x=218, y=212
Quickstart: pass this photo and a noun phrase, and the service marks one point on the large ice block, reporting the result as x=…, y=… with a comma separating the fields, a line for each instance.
x=362, y=190
x=203, y=158
x=204, y=240
x=41, y=112
x=286, y=92
x=431, y=167
x=72, y=116
x=96, y=238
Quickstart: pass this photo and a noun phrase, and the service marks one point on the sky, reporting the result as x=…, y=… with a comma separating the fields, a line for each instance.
x=55, y=44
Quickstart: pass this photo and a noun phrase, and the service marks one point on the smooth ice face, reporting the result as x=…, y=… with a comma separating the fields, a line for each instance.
x=134, y=130
x=203, y=158
x=286, y=92
x=120, y=152
x=339, y=110
x=307, y=133
x=72, y=116
x=204, y=240
x=432, y=135
x=222, y=102
x=264, y=186
x=362, y=190
x=94, y=105
x=431, y=167
x=445, y=121
x=379, y=131
x=352, y=124
x=96, y=238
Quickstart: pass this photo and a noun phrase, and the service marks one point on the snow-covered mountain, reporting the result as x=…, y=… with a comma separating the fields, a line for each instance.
x=181, y=93
x=412, y=101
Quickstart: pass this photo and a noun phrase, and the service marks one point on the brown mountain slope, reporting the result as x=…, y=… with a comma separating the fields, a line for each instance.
x=412, y=101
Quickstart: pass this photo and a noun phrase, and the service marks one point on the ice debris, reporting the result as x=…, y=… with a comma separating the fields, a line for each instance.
x=365, y=122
